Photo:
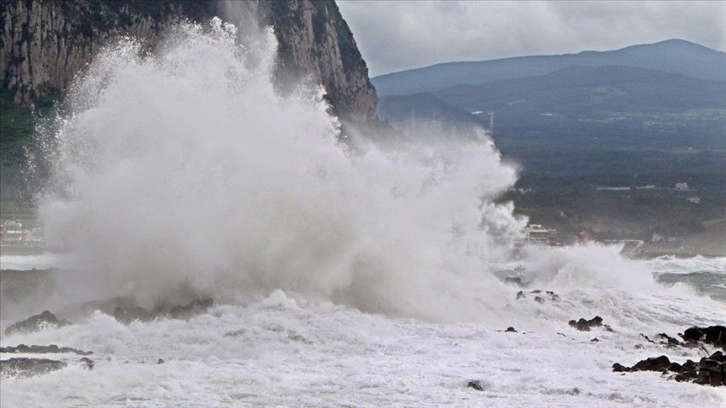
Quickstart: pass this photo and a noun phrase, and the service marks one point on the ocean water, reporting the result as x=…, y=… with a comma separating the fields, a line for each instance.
x=344, y=272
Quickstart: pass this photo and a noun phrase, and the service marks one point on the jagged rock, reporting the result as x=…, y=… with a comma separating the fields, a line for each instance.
x=539, y=299
x=476, y=384
x=22, y=348
x=595, y=340
x=160, y=361
x=520, y=295
x=510, y=330
x=35, y=323
x=585, y=325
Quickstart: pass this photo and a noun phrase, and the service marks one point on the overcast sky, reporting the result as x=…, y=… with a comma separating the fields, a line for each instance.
x=399, y=35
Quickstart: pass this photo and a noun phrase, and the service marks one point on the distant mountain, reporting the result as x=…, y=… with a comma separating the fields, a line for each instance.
x=607, y=106
x=676, y=56
x=586, y=91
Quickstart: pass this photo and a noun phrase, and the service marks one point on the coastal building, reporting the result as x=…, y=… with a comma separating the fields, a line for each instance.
x=536, y=234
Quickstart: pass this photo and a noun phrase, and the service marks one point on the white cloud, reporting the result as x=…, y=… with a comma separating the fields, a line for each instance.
x=398, y=35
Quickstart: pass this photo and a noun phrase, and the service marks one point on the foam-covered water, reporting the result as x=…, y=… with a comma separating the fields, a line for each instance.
x=360, y=277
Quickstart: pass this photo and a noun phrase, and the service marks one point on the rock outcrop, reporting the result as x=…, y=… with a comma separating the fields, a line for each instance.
x=35, y=349
x=45, y=43
x=713, y=335
x=36, y=322
x=586, y=325
x=709, y=370
x=26, y=367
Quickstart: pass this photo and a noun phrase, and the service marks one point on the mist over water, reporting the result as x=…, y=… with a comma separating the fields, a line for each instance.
x=185, y=175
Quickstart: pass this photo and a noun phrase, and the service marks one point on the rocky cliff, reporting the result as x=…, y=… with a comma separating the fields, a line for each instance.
x=46, y=42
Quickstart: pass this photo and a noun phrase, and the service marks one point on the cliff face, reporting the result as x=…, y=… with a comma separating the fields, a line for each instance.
x=315, y=39
x=46, y=42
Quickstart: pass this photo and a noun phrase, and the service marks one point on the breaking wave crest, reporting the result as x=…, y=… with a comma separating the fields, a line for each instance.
x=183, y=173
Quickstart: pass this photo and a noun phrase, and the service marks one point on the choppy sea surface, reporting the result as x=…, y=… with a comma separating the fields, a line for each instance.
x=285, y=350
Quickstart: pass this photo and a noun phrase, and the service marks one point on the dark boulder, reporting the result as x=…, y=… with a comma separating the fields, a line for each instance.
x=585, y=325
x=476, y=384
x=510, y=330
x=35, y=323
x=714, y=335
x=652, y=364
x=86, y=363
x=708, y=371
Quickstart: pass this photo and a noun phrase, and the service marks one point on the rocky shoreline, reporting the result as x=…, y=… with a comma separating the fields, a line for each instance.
x=30, y=360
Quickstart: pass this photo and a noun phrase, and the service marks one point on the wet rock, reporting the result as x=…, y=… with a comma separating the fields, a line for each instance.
x=520, y=295
x=476, y=384
x=669, y=341
x=197, y=307
x=126, y=312
x=652, y=364
x=708, y=371
x=510, y=329
x=128, y=315
x=86, y=363
x=539, y=299
x=29, y=366
x=553, y=295
x=35, y=323
x=160, y=361
x=595, y=340
x=585, y=325
x=22, y=348
x=714, y=335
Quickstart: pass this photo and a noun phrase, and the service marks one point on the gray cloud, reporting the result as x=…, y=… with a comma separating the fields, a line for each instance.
x=398, y=35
